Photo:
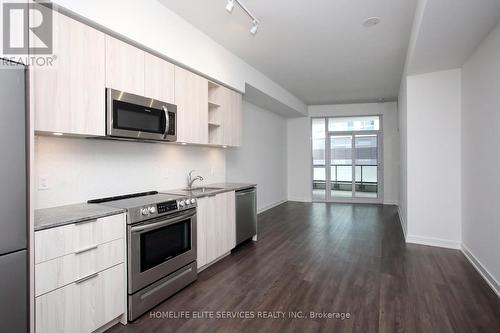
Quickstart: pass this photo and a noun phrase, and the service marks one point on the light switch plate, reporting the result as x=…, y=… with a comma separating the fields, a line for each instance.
x=43, y=183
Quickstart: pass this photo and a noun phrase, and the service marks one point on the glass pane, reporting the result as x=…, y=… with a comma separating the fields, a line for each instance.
x=341, y=166
x=366, y=166
x=319, y=183
x=132, y=117
x=342, y=124
x=160, y=245
x=318, y=141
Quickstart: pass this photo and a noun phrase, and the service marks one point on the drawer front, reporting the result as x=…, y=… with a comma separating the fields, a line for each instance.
x=58, y=272
x=60, y=241
x=84, y=306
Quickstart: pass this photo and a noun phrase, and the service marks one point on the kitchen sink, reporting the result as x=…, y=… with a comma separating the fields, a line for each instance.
x=202, y=190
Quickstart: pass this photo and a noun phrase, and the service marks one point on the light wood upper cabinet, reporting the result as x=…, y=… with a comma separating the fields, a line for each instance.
x=225, y=116
x=124, y=67
x=216, y=221
x=191, y=97
x=232, y=118
x=159, y=79
x=70, y=98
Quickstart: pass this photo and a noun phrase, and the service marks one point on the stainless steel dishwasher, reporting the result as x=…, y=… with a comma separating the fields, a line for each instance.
x=246, y=214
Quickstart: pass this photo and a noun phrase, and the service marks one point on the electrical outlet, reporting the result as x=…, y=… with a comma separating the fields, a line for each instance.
x=43, y=183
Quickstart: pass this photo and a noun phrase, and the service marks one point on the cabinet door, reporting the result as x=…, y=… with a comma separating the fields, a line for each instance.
x=159, y=79
x=229, y=231
x=231, y=111
x=124, y=67
x=212, y=229
x=236, y=119
x=70, y=97
x=191, y=97
x=202, y=217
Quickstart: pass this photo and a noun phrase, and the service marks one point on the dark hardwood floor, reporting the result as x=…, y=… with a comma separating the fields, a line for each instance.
x=334, y=258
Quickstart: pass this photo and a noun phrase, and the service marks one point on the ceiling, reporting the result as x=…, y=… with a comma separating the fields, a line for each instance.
x=318, y=50
x=450, y=31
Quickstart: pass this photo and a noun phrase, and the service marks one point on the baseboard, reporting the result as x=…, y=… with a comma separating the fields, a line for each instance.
x=263, y=209
x=492, y=282
x=403, y=224
x=430, y=241
x=297, y=199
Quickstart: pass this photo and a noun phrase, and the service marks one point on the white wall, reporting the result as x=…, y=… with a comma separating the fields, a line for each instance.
x=155, y=26
x=481, y=155
x=82, y=169
x=299, y=159
x=262, y=158
x=299, y=147
x=403, y=157
x=433, y=158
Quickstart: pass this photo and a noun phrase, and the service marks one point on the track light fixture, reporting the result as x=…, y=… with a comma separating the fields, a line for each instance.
x=255, y=26
x=255, y=22
x=230, y=5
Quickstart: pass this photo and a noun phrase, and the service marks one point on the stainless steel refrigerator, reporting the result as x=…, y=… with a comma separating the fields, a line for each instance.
x=13, y=199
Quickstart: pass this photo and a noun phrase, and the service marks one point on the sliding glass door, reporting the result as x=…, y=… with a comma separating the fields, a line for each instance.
x=346, y=164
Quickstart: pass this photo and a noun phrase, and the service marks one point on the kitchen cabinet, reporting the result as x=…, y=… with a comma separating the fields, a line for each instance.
x=80, y=275
x=232, y=118
x=69, y=97
x=225, y=116
x=191, y=97
x=125, y=66
x=216, y=227
x=159, y=79
x=82, y=306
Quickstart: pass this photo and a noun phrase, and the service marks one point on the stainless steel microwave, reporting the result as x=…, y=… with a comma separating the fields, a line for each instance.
x=136, y=117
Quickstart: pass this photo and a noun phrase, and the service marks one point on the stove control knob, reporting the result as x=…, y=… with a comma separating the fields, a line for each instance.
x=182, y=203
x=152, y=209
x=193, y=200
x=145, y=211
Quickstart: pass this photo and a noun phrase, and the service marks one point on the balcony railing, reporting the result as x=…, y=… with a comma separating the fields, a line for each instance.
x=361, y=185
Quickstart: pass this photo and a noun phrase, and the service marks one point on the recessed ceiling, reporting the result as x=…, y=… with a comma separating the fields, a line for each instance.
x=318, y=50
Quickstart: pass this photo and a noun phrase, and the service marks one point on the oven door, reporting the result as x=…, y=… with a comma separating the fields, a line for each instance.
x=159, y=247
x=136, y=117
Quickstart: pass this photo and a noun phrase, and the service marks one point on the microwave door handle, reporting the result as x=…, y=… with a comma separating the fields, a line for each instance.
x=167, y=121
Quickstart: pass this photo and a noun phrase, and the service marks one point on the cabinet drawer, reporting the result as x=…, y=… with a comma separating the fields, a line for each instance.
x=60, y=241
x=84, y=306
x=58, y=272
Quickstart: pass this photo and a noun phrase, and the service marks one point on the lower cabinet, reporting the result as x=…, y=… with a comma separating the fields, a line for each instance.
x=83, y=306
x=80, y=276
x=216, y=227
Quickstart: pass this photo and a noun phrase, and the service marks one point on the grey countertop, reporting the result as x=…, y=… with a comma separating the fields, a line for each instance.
x=224, y=187
x=59, y=216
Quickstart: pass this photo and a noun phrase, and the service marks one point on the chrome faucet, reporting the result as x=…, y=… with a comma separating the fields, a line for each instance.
x=191, y=180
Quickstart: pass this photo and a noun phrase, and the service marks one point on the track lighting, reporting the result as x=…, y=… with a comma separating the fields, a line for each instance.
x=230, y=5
x=255, y=22
x=255, y=26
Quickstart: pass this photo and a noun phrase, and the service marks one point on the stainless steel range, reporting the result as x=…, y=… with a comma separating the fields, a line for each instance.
x=161, y=246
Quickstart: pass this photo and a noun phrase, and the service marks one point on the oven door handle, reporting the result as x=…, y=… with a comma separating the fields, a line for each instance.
x=167, y=121
x=157, y=225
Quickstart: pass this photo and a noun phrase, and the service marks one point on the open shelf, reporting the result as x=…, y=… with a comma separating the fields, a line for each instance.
x=213, y=104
